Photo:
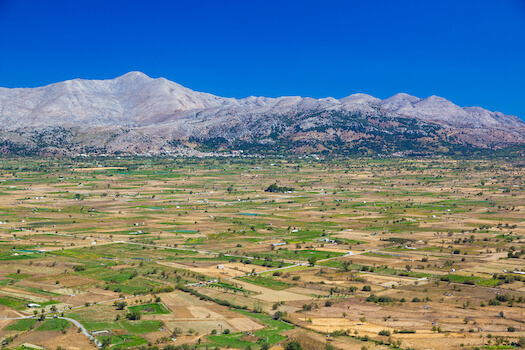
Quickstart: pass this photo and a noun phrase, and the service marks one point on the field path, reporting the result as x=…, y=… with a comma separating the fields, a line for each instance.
x=81, y=327
x=75, y=322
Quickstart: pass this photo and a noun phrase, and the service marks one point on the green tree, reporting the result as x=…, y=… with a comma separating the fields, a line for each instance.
x=293, y=345
x=133, y=316
x=120, y=305
x=278, y=315
x=257, y=306
x=106, y=342
x=521, y=342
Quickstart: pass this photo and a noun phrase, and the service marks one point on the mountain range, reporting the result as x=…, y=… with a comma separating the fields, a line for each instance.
x=135, y=114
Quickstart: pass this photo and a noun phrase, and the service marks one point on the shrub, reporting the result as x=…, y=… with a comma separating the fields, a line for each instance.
x=372, y=299
x=293, y=345
x=494, y=302
x=133, y=316
x=120, y=305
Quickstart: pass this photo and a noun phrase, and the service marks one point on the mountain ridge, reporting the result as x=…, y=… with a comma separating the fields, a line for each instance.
x=134, y=114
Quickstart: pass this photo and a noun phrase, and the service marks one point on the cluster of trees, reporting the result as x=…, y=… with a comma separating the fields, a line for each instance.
x=275, y=188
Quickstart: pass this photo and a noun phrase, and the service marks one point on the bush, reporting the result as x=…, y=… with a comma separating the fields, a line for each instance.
x=372, y=299
x=120, y=305
x=366, y=289
x=133, y=316
x=384, y=332
x=504, y=297
x=494, y=302
x=277, y=315
x=293, y=345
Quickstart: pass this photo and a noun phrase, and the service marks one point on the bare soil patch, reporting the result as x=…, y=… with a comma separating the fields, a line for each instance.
x=52, y=339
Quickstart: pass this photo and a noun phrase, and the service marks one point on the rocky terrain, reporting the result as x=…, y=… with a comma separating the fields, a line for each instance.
x=135, y=114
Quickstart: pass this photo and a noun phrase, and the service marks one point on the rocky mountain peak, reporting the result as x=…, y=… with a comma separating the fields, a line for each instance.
x=133, y=76
x=159, y=109
x=360, y=98
x=400, y=102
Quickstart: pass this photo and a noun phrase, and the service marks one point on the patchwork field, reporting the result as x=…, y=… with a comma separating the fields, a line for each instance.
x=195, y=253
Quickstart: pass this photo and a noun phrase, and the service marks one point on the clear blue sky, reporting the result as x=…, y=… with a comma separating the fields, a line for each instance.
x=471, y=52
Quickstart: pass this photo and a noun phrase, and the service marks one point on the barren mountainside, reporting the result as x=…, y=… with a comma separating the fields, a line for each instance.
x=135, y=114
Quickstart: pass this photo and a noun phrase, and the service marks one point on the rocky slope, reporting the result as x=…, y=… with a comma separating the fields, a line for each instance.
x=137, y=114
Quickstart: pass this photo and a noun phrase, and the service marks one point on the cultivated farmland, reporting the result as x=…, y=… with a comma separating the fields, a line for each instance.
x=374, y=253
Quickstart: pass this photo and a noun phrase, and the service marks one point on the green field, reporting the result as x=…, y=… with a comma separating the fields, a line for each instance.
x=22, y=325
x=155, y=308
x=13, y=303
x=138, y=327
x=267, y=282
x=270, y=334
x=18, y=276
x=53, y=324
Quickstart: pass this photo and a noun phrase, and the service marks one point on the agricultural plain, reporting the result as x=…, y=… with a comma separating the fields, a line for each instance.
x=187, y=252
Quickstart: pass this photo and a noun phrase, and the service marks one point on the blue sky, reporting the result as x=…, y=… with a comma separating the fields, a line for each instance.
x=470, y=52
